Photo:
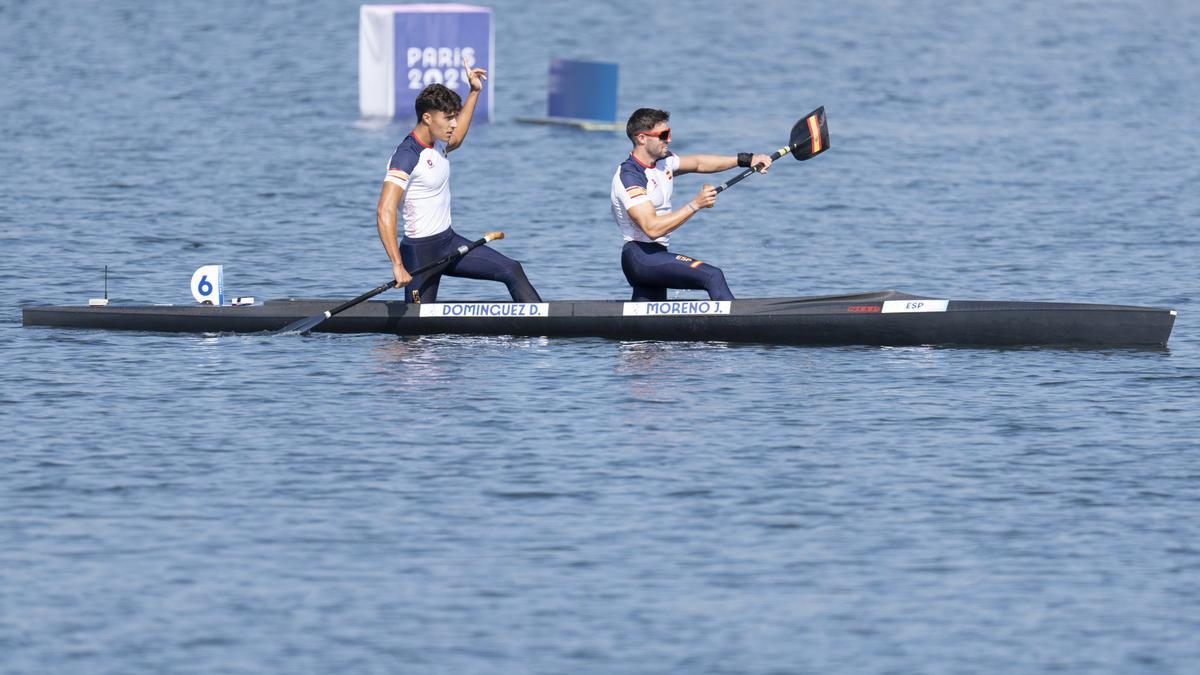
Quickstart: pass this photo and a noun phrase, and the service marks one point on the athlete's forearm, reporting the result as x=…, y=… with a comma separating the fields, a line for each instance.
x=385, y=218
x=714, y=163
x=385, y=222
x=662, y=225
x=464, y=120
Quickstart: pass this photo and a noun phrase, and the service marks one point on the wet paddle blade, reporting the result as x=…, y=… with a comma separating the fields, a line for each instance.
x=810, y=136
x=303, y=325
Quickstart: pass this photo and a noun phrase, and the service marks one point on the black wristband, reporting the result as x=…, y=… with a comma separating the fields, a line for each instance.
x=744, y=159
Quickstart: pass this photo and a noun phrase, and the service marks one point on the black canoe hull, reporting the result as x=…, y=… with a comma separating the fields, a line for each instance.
x=861, y=319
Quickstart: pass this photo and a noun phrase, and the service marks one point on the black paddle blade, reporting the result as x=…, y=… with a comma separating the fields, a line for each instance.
x=810, y=136
x=303, y=325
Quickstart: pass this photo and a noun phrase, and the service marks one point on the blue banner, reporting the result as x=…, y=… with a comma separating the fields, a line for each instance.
x=433, y=47
x=583, y=90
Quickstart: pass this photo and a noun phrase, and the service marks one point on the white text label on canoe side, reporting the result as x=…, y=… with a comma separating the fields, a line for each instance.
x=486, y=310
x=676, y=308
x=899, y=306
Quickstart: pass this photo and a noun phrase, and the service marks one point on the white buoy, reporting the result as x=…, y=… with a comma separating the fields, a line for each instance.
x=207, y=285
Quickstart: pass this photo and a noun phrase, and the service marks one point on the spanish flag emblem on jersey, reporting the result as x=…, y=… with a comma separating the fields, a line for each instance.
x=397, y=177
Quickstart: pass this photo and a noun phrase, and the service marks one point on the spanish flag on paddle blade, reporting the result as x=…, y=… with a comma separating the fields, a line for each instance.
x=810, y=136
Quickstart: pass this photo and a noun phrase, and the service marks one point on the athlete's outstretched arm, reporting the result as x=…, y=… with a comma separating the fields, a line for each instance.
x=716, y=163
x=475, y=77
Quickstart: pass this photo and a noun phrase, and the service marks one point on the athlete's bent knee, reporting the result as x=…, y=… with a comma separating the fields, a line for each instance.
x=518, y=284
x=717, y=287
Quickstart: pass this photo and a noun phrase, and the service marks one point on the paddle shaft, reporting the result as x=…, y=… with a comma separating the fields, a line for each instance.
x=810, y=129
x=458, y=253
x=742, y=176
x=311, y=322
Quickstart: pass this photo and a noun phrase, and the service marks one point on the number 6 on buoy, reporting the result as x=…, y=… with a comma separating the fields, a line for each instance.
x=206, y=285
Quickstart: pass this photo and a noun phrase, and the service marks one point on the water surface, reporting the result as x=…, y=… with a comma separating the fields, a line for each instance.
x=250, y=504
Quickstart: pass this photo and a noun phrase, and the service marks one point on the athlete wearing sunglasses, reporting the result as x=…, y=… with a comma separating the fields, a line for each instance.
x=641, y=205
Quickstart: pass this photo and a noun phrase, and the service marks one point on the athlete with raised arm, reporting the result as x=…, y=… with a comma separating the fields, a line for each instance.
x=418, y=183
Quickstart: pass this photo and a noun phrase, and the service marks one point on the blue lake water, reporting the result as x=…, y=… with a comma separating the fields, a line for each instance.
x=250, y=504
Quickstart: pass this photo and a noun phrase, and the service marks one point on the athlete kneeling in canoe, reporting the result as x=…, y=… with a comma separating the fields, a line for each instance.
x=641, y=205
x=419, y=177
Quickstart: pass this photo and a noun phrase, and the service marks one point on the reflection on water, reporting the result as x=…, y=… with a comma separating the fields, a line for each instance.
x=423, y=360
x=650, y=356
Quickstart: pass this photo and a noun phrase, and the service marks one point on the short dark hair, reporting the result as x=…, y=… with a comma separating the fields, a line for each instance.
x=437, y=97
x=642, y=120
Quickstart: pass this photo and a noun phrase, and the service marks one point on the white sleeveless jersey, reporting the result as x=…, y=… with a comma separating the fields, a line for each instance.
x=423, y=173
x=635, y=183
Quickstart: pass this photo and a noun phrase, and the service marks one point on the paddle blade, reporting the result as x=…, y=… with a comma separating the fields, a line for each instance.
x=810, y=136
x=303, y=325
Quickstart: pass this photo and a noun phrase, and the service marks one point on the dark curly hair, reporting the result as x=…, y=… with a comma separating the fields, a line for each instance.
x=438, y=97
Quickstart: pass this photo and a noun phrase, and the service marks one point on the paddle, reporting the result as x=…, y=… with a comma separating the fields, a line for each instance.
x=810, y=137
x=306, y=325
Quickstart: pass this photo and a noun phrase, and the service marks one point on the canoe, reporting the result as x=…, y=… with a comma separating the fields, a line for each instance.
x=874, y=318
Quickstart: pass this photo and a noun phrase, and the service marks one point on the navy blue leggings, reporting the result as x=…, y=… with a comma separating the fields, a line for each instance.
x=481, y=263
x=651, y=269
